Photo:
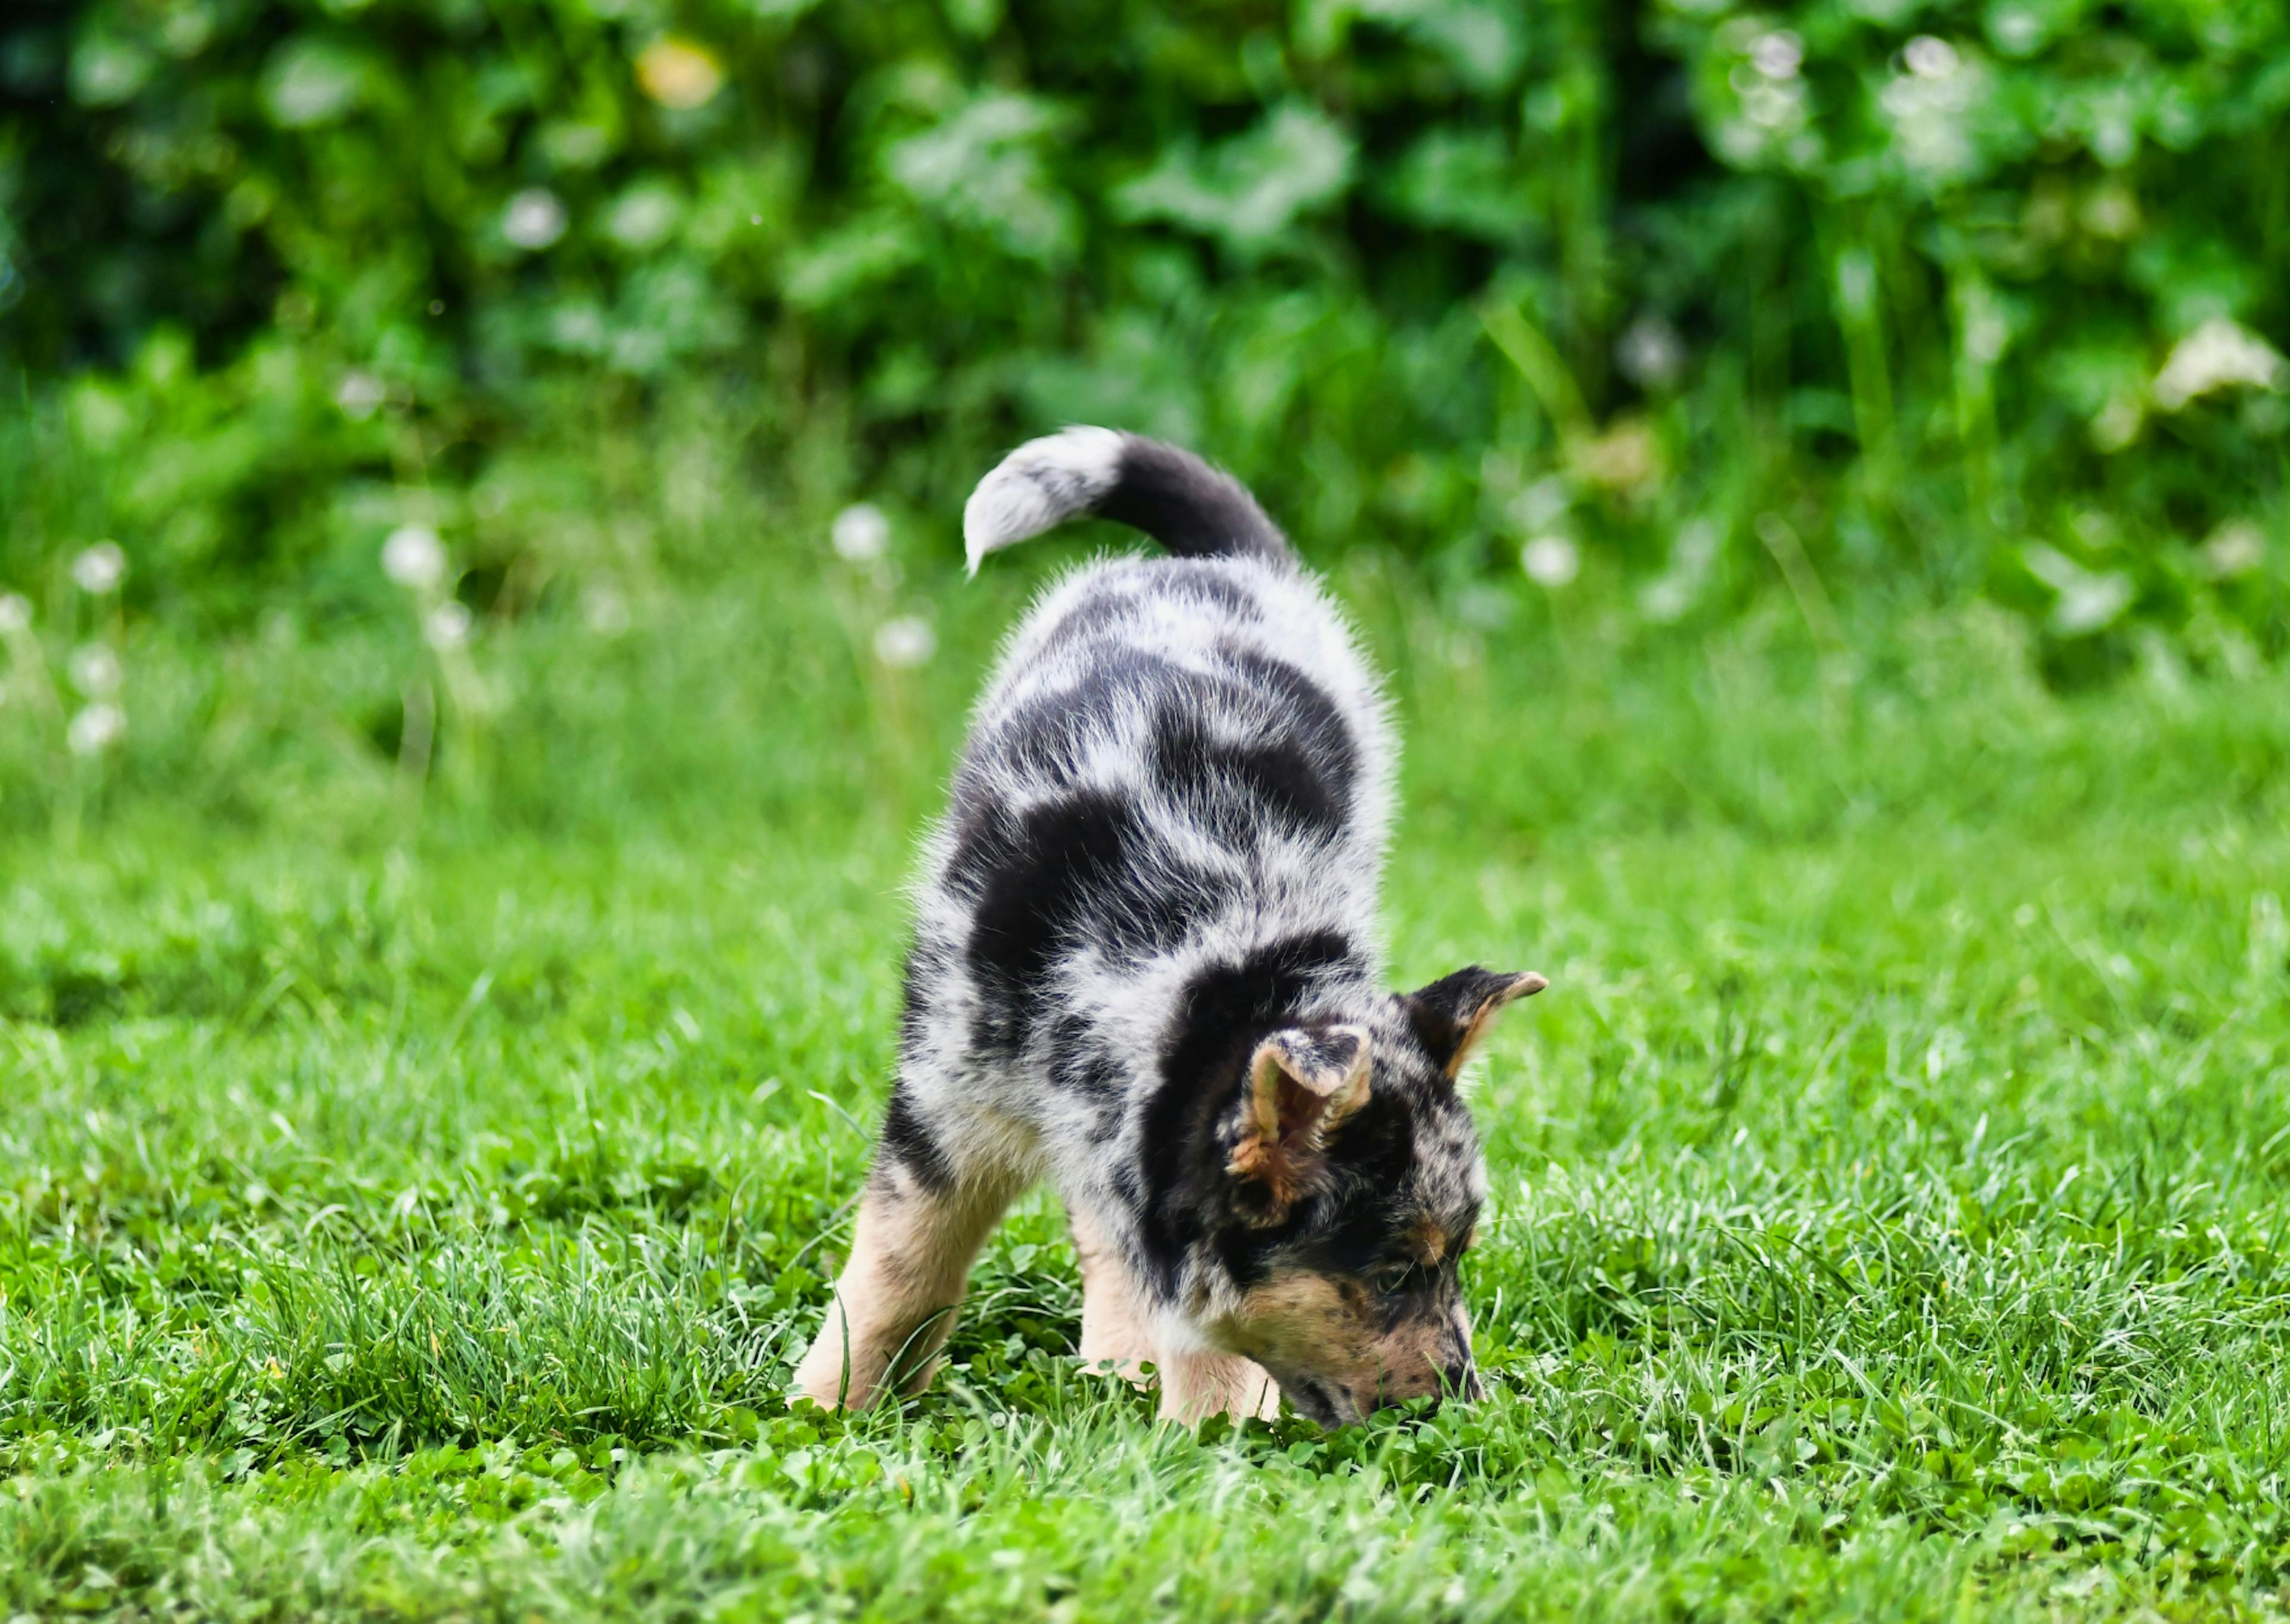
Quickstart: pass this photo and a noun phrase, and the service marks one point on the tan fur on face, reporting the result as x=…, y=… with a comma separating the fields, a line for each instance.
x=1329, y=1327
x=1427, y=1240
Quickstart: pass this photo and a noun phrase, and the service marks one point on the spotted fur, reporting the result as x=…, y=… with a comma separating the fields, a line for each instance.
x=1145, y=967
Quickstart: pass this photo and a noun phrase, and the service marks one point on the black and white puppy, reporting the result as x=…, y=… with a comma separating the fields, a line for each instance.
x=1145, y=966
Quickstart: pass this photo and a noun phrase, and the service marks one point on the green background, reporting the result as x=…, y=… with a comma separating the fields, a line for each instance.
x=1905, y=277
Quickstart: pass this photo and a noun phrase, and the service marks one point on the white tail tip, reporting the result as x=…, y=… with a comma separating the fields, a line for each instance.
x=1042, y=484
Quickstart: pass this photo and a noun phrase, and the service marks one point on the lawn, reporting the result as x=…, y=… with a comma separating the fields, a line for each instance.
x=411, y=1203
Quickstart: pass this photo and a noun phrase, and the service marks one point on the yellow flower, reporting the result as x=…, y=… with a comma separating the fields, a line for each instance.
x=679, y=73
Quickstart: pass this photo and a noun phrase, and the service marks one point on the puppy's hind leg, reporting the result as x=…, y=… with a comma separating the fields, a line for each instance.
x=920, y=1225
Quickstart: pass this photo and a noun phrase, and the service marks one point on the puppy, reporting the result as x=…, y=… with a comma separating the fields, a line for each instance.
x=1145, y=966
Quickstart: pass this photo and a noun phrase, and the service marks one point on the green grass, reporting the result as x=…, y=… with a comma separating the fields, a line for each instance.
x=413, y=1209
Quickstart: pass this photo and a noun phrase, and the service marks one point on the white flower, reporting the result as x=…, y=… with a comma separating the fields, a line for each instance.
x=1650, y=353
x=100, y=569
x=1551, y=562
x=2215, y=354
x=2017, y=30
x=605, y=610
x=677, y=73
x=1929, y=57
x=1929, y=107
x=535, y=218
x=644, y=218
x=861, y=533
x=97, y=727
x=94, y=671
x=905, y=642
x=2236, y=548
x=1778, y=55
x=2092, y=604
x=15, y=613
x=2088, y=601
x=359, y=394
x=1670, y=593
x=447, y=626
x=414, y=557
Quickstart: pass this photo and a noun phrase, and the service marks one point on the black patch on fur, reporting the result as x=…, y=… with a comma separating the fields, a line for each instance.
x=1044, y=737
x=907, y=1140
x=1224, y=1011
x=1107, y=606
x=1036, y=880
x=1306, y=711
x=979, y=835
x=1208, y=584
x=1228, y=785
x=1068, y=871
x=1193, y=509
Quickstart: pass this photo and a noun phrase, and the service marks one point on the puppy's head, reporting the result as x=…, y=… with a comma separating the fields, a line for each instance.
x=1347, y=1188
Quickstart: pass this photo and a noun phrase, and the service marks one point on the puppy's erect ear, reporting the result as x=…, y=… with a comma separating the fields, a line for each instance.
x=1301, y=1082
x=1452, y=1014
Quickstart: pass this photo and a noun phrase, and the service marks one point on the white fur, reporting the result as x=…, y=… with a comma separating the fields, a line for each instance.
x=1041, y=484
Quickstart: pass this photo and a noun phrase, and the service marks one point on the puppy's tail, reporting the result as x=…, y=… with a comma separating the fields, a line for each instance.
x=1194, y=510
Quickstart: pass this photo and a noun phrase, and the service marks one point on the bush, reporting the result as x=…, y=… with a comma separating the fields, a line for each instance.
x=1925, y=297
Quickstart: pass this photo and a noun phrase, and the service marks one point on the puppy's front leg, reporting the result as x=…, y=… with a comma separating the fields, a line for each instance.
x=1116, y=1318
x=1117, y=1328
x=1195, y=1386
x=894, y=1300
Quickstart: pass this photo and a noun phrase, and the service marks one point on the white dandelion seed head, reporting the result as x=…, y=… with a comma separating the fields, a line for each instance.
x=95, y=727
x=100, y=569
x=15, y=613
x=905, y=642
x=2236, y=548
x=1665, y=599
x=1778, y=55
x=1551, y=562
x=414, y=557
x=534, y=218
x=860, y=533
x=359, y=394
x=605, y=610
x=1930, y=57
x=448, y=626
x=1928, y=108
x=94, y=670
x=1650, y=353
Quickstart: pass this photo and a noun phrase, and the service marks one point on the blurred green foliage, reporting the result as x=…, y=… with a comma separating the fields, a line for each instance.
x=1920, y=297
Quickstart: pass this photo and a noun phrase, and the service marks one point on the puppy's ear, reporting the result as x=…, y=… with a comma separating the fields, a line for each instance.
x=1301, y=1082
x=1452, y=1014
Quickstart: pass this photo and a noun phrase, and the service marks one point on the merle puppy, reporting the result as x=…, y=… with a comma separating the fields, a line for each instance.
x=1145, y=966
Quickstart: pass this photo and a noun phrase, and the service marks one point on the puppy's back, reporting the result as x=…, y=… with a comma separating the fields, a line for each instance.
x=1177, y=760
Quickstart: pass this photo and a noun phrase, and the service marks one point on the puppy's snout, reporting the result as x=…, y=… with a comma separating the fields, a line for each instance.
x=1459, y=1381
